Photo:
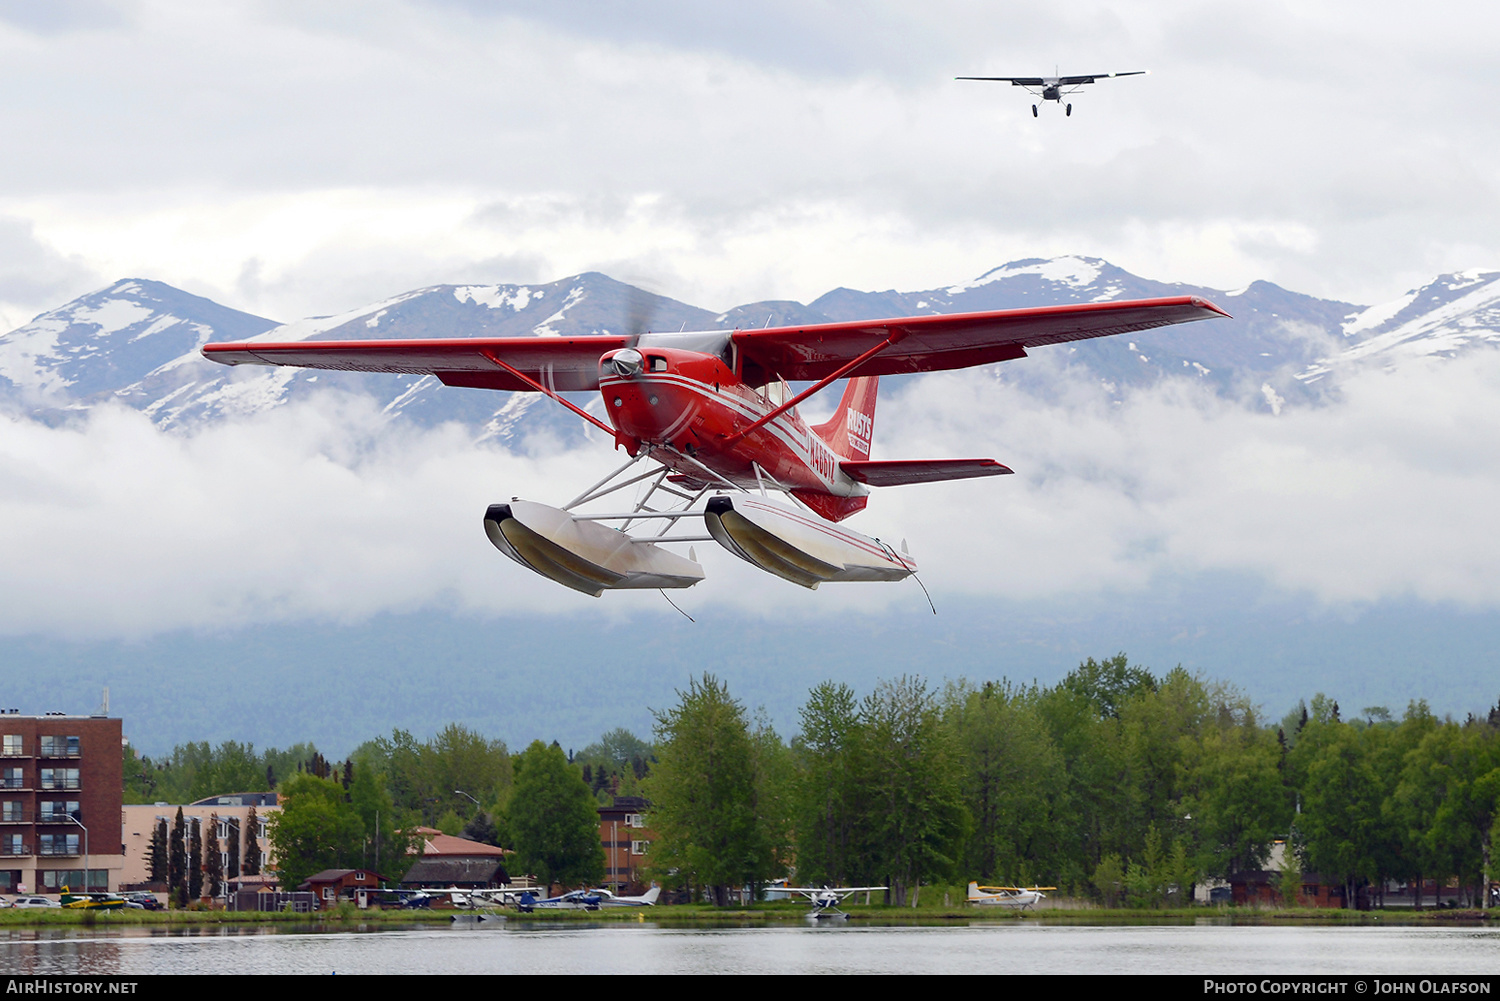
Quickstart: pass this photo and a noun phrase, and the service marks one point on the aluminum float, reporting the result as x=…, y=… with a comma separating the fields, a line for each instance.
x=583, y=554
x=799, y=546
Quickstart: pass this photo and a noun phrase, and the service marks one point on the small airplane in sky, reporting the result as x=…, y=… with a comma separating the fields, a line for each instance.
x=826, y=899
x=712, y=411
x=1053, y=88
x=1006, y=896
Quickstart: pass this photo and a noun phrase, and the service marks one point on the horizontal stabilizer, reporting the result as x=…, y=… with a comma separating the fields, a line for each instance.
x=895, y=474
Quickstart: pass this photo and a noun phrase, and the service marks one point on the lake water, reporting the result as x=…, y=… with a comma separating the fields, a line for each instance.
x=1211, y=946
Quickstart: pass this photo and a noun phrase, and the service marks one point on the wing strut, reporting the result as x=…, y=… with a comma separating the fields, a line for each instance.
x=895, y=336
x=612, y=432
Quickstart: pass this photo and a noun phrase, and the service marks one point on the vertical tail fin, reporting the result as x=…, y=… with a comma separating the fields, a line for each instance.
x=850, y=429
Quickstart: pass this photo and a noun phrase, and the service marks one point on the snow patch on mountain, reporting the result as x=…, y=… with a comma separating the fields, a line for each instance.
x=1076, y=272
x=301, y=330
x=497, y=296
x=1449, y=315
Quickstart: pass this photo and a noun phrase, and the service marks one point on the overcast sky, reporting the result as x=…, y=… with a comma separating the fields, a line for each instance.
x=295, y=159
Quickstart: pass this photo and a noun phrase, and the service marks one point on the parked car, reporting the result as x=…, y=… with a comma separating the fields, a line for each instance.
x=35, y=902
x=142, y=899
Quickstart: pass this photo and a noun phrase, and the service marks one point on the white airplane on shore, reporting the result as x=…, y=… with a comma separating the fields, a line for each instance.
x=1006, y=896
x=826, y=899
x=647, y=899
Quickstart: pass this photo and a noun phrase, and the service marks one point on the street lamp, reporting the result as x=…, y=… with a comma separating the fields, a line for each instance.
x=74, y=820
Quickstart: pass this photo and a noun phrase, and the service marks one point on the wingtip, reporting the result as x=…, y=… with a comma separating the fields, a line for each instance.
x=1205, y=304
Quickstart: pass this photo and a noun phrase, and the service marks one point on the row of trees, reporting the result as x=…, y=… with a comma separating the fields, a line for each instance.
x=536, y=803
x=189, y=860
x=1114, y=782
x=197, y=770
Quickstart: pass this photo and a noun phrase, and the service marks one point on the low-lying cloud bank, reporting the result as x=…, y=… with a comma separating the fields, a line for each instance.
x=326, y=511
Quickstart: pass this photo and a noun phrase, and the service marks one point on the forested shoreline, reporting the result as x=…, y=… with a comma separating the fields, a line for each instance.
x=1115, y=784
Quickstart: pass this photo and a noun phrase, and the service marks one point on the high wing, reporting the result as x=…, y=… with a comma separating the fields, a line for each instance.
x=916, y=344
x=953, y=340
x=560, y=363
x=1018, y=81
x=1042, y=81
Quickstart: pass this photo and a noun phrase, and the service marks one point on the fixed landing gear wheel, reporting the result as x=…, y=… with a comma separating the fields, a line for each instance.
x=1033, y=111
x=1070, y=111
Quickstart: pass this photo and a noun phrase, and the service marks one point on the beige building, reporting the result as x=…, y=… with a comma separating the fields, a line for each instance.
x=140, y=820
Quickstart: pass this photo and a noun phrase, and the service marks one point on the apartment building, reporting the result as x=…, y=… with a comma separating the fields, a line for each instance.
x=625, y=837
x=61, y=791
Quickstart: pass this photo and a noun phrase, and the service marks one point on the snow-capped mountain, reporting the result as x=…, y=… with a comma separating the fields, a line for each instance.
x=114, y=338
x=1447, y=316
x=137, y=341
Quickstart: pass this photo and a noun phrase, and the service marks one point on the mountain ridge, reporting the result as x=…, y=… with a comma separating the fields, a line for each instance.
x=137, y=341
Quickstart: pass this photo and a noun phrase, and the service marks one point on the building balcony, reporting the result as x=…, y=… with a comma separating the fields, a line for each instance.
x=16, y=817
x=15, y=784
x=70, y=851
x=10, y=850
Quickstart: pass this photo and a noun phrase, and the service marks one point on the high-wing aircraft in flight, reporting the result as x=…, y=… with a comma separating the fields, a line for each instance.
x=1053, y=88
x=712, y=413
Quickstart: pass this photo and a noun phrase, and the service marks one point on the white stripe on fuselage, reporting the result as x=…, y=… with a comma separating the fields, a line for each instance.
x=788, y=428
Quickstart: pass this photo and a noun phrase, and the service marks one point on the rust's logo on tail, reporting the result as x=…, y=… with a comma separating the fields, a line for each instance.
x=852, y=426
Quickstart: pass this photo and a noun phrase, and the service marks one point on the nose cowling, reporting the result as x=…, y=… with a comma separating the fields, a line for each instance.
x=626, y=363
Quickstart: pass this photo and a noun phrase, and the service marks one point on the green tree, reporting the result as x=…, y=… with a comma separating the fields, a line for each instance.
x=390, y=842
x=213, y=865
x=828, y=791
x=1233, y=790
x=1341, y=800
x=704, y=793
x=250, y=861
x=553, y=819
x=915, y=823
x=1012, y=777
x=195, y=860
x=160, y=868
x=177, y=860
x=232, y=848
x=317, y=828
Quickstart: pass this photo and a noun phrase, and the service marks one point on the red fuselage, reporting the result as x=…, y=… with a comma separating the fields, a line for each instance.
x=693, y=411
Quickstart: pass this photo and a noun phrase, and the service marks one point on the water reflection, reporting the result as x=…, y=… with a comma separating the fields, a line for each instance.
x=1205, y=945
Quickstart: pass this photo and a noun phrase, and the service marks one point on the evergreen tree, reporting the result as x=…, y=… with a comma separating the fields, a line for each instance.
x=213, y=864
x=250, y=860
x=232, y=848
x=195, y=861
x=553, y=820
x=178, y=860
x=160, y=868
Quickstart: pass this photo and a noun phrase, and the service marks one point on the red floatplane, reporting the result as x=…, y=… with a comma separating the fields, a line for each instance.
x=713, y=412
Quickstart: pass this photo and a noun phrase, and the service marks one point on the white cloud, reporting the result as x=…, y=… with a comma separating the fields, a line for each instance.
x=323, y=511
x=348, y=151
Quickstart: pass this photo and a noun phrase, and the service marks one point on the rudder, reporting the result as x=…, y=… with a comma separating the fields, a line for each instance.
x=849, y=430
